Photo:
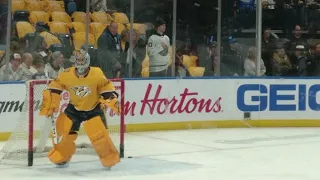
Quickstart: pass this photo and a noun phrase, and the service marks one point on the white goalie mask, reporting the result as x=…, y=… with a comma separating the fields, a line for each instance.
x=82, y=62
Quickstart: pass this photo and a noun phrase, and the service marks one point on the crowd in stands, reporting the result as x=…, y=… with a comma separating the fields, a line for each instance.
x=46, y=33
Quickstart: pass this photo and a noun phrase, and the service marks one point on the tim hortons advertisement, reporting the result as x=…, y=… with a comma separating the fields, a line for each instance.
x=174, y=100
x=146, y=101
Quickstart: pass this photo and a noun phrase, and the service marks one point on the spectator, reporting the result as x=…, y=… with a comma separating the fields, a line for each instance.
x=316, y=60
x=11, y=71
x=268, y=4
x=99, y=5
x=297, y=40
x=250, y=64
x=281, y=65
x=180, y=69
x=26, y=66
x=303, y=64
x=266, y=48
x=40, y=71
x=55, y=65
x=158, y=50
x=16, y=47
x=39, y=65
x=232, y=61
x=38, y=46
x=109, y=51
x=208, y=59
x=138, y=53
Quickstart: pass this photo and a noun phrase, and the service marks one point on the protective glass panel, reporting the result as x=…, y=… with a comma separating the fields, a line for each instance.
x=3, y=30
x=151, y=39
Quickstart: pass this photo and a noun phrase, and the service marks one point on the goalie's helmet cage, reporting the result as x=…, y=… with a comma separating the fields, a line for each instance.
x=31, y=137
x=82, y=61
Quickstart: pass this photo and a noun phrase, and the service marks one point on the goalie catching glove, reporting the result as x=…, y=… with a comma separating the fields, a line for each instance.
x=50, y=103
x=110, y=100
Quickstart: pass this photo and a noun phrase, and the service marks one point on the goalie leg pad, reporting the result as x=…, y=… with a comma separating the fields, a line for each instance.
x=101, y=141
x=65, y=148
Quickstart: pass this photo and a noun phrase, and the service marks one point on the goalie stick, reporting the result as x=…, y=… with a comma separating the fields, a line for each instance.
x=49, y=123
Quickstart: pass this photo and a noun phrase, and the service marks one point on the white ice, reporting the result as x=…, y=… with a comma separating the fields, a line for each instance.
x=211, y=154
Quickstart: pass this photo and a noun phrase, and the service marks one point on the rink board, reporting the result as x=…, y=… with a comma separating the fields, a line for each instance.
x=168, y=104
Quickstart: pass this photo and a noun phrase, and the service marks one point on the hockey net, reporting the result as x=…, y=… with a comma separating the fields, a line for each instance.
x=32, y=136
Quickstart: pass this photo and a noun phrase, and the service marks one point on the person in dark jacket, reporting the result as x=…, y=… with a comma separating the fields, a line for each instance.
x=139, y=51
x=303, y=63
x=110, y=52
x=232, y=61
x=316, y=60
x=208, y=59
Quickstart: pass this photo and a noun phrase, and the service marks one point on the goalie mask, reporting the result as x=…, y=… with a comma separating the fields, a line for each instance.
x=82, y=62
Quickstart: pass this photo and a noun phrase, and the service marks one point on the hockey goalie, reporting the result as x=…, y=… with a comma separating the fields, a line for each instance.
x=90, y=92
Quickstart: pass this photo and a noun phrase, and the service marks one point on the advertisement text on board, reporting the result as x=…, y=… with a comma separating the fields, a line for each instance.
x=17, y=106
x=277, y=97
x=153, y=102
x=186, y=102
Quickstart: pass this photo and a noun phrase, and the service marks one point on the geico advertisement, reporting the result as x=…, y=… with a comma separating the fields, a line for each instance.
x=288, y=99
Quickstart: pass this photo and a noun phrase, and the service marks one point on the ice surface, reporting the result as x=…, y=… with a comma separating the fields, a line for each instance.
x=213, y=154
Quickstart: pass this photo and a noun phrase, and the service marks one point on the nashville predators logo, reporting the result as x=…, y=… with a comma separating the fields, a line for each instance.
x=81, y=91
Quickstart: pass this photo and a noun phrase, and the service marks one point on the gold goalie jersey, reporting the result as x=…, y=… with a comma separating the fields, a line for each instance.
x=86, y=91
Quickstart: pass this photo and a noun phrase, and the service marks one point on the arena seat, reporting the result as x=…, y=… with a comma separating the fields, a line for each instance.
x=96, y=37
x=60, y=16
x=170, y=52
x=120, y=18
x=1, y=53
x=18, y=5
x=121, y=27
x=39, y=16
x=140, y=27
x=79, y=39
x=145, y=72
x=51, y=6
x=145, y=62
x=196, y=71
x=78, y=27
x=189, y=61
x=33, y=5
x=62, y=31
x=101, y=17
x=97, y=28
x=59, y=27
x=21, y=15
x=30, y=37
x=24, y=28
x=79, y=16
x=56, y=47
x=70, y=7
x=50, y=39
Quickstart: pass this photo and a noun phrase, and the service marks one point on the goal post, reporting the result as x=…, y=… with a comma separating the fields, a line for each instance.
x=32, y=136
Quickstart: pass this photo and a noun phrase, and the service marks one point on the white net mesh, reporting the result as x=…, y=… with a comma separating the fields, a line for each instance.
x=15, y=149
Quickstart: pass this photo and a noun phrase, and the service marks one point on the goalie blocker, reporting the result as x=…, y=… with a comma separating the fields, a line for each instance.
x=85, y=85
